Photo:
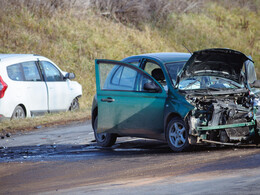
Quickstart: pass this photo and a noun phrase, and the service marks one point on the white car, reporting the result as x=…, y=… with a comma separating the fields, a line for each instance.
x=32, y=85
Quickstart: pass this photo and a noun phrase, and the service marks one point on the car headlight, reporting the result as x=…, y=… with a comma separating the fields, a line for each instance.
x=256, y=102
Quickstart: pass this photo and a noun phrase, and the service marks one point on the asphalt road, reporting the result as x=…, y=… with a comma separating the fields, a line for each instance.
x=65, y=160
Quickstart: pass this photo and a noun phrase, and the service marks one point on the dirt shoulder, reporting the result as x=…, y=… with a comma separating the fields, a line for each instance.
x=48, y=120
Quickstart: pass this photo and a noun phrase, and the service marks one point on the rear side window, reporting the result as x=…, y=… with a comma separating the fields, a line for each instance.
x=15, y=72
x=128, y=78
x=31, y=72
x=26, y=71
x=117, y=75
x=122, y=78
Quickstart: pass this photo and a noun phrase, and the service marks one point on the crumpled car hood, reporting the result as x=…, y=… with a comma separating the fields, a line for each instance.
x=220, y=62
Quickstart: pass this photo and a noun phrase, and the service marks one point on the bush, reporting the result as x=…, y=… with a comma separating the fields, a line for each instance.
x=39, y=7
x=134, y=12
x=252, y=5
x=141, y=11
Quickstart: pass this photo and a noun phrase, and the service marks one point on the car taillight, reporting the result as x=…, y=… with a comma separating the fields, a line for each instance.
x=3, y=87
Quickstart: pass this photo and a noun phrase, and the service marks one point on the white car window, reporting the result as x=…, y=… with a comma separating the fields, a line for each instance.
x=31, y=72
x=51, y=72
x=15, y=72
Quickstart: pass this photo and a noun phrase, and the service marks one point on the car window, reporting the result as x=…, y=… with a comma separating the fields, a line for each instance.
x=149, y=67
x=31, y=72
x=173, y=69
x=156, y=72
x=128, y=78
x=135, y=62
x=51, y=72
x=15, y=72
x=123, y=78
x=118, y=78
x=207, y=82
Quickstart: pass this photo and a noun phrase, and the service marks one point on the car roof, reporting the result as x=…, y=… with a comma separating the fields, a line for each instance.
x=165, y=57
x=2, y=56
x=10, y=56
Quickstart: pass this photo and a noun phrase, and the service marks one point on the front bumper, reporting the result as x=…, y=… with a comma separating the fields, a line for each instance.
x=207, y=128
x=252, y=126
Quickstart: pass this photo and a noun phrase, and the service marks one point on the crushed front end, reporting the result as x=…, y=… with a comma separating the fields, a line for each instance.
x=217, y=82
x=222, y=118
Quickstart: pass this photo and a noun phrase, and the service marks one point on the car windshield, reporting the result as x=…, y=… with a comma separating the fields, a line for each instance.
x=173, y=69
x=207, y=82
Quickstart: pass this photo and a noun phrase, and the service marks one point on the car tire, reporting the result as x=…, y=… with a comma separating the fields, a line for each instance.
x=104, y=139
x=74, y=104
x=177, y=135
x=18, y=113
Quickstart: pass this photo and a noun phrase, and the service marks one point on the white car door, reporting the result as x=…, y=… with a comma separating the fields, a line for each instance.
x=30, y=87
x=36, y=91
x=58, y=87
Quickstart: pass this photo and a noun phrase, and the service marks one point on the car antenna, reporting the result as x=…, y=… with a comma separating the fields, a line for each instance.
x=186, y=48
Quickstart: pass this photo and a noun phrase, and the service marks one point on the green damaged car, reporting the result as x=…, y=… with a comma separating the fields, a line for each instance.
x=210, y=96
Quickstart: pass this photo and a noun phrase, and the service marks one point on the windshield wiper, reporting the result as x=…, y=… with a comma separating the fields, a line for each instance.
x=213, y=88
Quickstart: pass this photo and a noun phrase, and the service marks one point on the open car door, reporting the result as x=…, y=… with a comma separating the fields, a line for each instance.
x=130, y=101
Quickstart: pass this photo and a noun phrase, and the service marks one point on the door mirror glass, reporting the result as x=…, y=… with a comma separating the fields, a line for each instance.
x=70, y=76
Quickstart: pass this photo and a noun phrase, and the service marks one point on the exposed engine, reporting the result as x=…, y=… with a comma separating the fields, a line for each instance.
x=215, y=110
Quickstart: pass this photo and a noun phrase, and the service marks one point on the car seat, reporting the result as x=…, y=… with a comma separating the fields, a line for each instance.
x=157, y=73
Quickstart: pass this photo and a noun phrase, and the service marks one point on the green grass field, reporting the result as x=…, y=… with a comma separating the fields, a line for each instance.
x=73, y=39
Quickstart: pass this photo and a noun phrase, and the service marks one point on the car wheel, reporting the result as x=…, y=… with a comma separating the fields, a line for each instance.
x=177, y=135
x=18, y=113
x=103, y=139
x=74, y=105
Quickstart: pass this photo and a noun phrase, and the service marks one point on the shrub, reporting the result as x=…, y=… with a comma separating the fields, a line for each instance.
x=141, y=11
x=39, y=7
x=134, y=12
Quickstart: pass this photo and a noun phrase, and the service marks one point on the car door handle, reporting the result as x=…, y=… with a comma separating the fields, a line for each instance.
x=107, y=100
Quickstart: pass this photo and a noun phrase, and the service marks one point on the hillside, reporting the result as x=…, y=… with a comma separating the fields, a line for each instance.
x=73, y=37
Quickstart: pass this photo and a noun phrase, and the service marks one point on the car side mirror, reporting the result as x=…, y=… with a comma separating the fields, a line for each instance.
x=250, y=71
x=255, y=84
x=151, y=87
x=70, y=76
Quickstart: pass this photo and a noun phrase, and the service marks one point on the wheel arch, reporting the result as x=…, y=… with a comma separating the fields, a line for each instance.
x=94, y=115
x=24, y=109
x=168, y=118
x=77, y=97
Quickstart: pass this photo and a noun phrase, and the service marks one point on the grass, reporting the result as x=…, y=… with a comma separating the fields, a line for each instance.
x=47, y=120
x=217, y=26
x=73, y=39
